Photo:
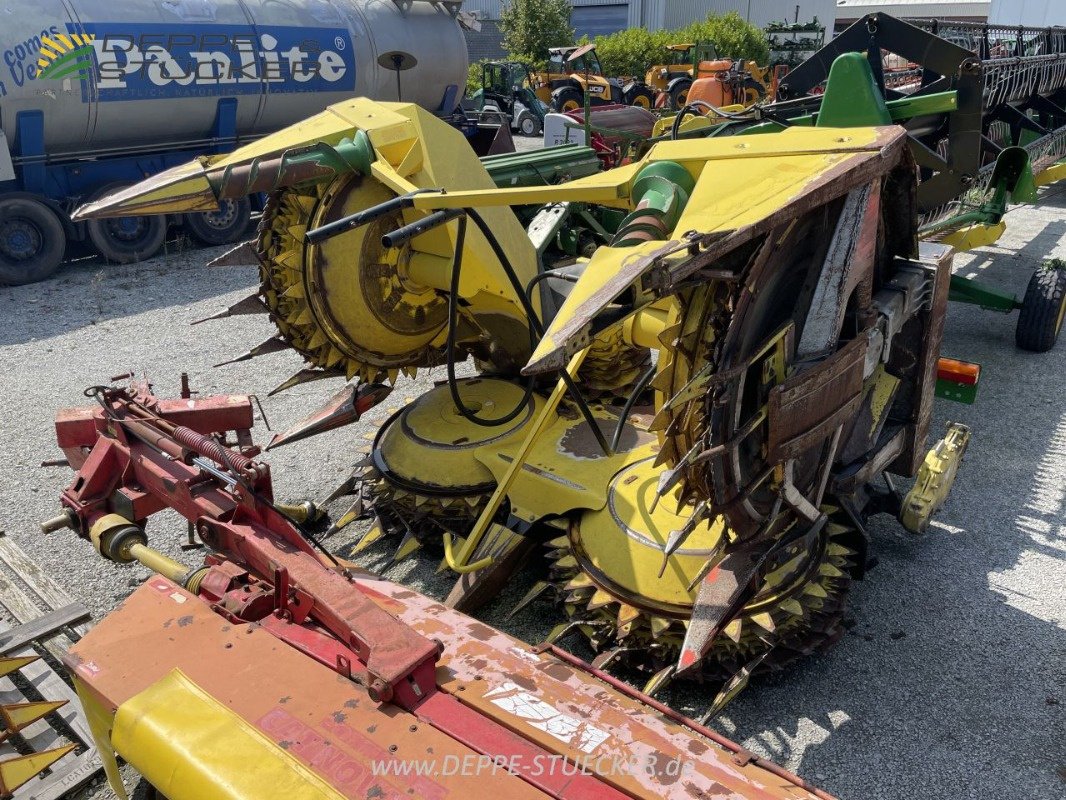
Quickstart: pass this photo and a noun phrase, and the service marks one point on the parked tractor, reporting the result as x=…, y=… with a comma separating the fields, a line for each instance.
x=574, y=73
x=674, y=79
x=507, y=87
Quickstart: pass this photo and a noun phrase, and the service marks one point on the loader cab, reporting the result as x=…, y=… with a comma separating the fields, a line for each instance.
x=510, y=87
x=573, y=73
x=584, y=60
x=679, y=55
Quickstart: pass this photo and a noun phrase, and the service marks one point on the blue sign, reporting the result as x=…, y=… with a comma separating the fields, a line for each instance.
x=144, y=61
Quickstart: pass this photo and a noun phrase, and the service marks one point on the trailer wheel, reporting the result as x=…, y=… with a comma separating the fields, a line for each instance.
x=126, y=240
x=1043, y=308
x=32, y=241
x=225, y=226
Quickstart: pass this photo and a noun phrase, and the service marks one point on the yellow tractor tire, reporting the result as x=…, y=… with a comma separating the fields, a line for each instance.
x=641, y=97
x=568, y=99
x=679, y=96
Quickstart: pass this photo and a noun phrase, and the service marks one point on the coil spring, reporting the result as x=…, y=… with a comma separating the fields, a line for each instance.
x=209, y=448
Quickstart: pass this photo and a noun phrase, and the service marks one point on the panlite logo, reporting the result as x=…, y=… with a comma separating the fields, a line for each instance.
x=126, y=61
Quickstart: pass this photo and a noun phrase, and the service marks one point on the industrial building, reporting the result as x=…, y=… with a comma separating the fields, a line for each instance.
x=847, y=11
x=1002, y=12
x=596, y=17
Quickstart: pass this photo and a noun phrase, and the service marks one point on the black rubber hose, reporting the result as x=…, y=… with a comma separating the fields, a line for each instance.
x=536, y=324
x=453, y=322
x=364, y=217
x=631, y=401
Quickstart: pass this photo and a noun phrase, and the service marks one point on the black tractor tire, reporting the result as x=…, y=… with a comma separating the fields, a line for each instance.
x=641, y=97
x=528, y=125
x=1043, y=309
x=679, y=96
x=32, y=241
x=225, y=226
x=568, y=98
x=126, y=240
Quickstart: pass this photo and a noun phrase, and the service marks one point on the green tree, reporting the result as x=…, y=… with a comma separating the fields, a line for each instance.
x=530, y=27
x=473, y=76
x=632, y=51
x=733, y=37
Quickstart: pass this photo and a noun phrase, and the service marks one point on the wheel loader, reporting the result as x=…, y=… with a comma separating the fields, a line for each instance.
x=574, y=73
x=507, y=88
x=674, y=79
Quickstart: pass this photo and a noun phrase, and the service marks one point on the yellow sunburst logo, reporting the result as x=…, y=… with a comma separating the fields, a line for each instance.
x=63, y=55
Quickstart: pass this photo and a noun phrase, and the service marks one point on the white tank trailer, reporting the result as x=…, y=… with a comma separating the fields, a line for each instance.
x=96, y=94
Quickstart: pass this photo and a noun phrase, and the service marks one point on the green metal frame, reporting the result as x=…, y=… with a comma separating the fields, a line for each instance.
x=968, y=290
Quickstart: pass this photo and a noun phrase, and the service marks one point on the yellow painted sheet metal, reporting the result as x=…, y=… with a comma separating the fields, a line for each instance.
x=99, y=718
x=733, y=194
x=730, y=193
x=565, y=469
x=612, y=187
x=191, y=747
x=600, y=271
x=178, y=189
x=1056, y=172
x=972, y=236
x=383, y=121
x=625, y=539
x=608, y=188
x=791, y=141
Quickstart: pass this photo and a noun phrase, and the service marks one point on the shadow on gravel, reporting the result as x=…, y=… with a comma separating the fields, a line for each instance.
x=91, y=291
x=1011, y=270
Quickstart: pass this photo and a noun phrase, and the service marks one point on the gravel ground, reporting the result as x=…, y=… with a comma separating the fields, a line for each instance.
x=951, y=682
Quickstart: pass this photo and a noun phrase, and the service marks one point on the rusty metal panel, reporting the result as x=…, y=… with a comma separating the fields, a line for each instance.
x=492, y=672
x=809, y=406
x=327, y=722
x=933, y=321
x=849, y=263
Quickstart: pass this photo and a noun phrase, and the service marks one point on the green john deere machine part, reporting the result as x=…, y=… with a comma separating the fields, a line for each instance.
x=565, y=162
x=984, y=108
x=857, y=100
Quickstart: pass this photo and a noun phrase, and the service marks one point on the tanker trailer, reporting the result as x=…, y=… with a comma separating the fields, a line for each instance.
x=95, y=95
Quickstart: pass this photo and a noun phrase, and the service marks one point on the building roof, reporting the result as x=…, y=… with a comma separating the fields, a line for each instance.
x=915, y=8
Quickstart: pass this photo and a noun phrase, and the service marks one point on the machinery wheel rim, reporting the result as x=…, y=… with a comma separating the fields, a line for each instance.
x=224, y=217
x=127, y=229
x=20, y=239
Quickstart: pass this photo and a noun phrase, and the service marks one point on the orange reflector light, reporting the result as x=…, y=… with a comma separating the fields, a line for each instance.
x=948, y=369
